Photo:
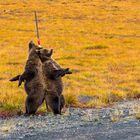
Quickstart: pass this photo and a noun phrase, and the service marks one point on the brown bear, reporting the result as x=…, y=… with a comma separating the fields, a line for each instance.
x=33, y=80
x=54, y=85
x=54, y=70
x=33, y=71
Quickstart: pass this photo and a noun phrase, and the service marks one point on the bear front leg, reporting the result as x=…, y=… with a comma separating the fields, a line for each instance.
x=60, y=73
x=66, y=71
x=27, y=75
x=57, y=73
x=21, y=79
x=16, y=78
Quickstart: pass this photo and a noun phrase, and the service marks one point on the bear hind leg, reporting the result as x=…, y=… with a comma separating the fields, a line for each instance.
x=31, y=105
x=54, y=103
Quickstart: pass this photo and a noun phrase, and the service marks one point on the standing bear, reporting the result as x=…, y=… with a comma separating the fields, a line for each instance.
x=54, y=85
x=34, y=81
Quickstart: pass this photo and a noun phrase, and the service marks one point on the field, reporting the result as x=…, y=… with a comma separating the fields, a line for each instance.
x=98, y=39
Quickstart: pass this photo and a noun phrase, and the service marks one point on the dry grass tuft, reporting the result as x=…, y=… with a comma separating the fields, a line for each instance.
x=96, y=47
x=138, y=116
x=71, y=99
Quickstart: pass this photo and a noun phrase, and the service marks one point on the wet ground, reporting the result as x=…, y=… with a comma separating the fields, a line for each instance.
x=119, y=122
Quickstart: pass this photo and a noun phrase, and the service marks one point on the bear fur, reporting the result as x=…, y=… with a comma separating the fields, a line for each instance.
x=35, y=83
x=54, y=86
x=33, y=80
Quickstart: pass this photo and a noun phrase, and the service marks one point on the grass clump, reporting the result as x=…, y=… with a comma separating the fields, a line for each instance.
x=96, y=47
x=134, y=93
x=71, y=99
x=138, y=116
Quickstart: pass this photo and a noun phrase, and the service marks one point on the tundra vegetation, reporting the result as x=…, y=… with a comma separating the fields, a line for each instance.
x=99, y=40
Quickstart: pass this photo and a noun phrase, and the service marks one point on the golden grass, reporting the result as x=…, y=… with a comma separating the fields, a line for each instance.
x=138, y=116
x=99, y=40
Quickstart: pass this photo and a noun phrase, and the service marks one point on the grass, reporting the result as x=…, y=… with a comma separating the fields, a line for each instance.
x=97, y=47
x=138, y=116
x=99, y=40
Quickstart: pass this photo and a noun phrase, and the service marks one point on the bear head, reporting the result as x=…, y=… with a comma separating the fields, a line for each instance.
x=44, y=54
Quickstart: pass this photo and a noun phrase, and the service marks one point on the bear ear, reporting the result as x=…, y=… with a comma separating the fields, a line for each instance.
x=31, y=44
x=50, y=53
